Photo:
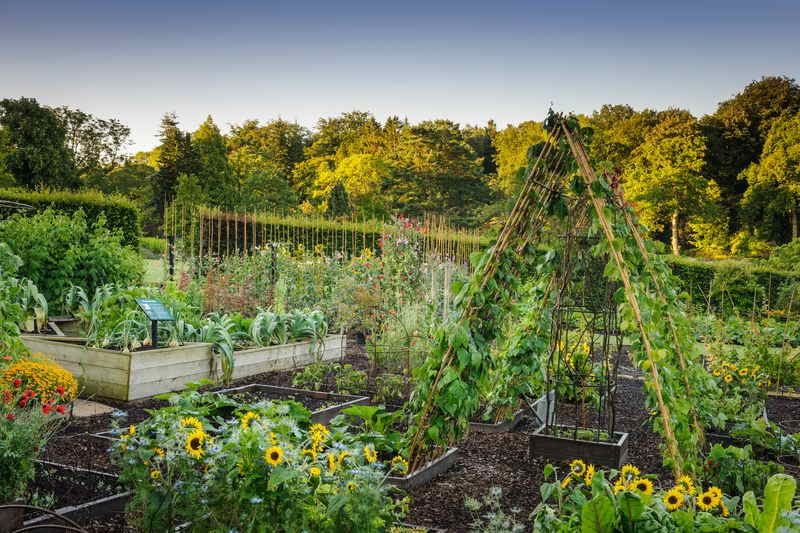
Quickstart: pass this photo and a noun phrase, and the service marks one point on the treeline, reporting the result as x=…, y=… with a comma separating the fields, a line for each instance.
x=725, y=183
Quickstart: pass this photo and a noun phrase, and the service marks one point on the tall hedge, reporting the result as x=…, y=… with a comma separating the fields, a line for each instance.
x=735, y=284
x=120, y=212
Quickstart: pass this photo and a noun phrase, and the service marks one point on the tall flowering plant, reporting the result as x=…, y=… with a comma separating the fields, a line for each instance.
x=227, y=467
x=27, y=421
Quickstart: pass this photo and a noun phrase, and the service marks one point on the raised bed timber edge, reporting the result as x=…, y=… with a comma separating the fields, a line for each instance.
x=539, y=408
x=609, y=454
x=426, y=472
x=321, y=416
x=141, y=374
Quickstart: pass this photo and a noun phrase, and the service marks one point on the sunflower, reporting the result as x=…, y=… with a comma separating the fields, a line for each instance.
x=673, y=499
x=400, y=464
x=589, y=476
x=131, y=430
x=728, y=378
x=194, y=443
x=159, y=452
x=370, y=455
x=577, y=467
x=311, y=452
x=643, y=485
x=629, y=471
x=332, y=463
x=566, y=481
x=686, y=484
x=191, y=422
x=351, y=486
x=315, y=471
x=717, y=373
x=743, y=372
x=707, y=501
x=342, y=456
x=248, y=418
x=274, y=455
x=155, y=474
x=715, y=491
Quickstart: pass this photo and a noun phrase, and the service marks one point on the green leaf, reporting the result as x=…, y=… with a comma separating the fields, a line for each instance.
x=597, y=516
x=778, y=496
x=280, y=475
x=751, y=513
x=631, y=506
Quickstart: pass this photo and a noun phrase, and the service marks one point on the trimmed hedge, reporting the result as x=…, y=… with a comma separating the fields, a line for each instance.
x=736, y=284
x=121, y=213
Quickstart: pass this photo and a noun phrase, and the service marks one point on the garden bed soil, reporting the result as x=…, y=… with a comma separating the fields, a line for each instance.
x=70, y=486
x=80, y=450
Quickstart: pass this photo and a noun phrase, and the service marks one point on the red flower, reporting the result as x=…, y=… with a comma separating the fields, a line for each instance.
x=7, y=396
x=7, y=358
x=60, y=409
x=10, y=417
x=17, y=383
x=46, y=408
x=60, y=390
x=22, y=402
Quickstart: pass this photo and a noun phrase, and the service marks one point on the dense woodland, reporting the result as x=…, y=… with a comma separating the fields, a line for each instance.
x=727, y=183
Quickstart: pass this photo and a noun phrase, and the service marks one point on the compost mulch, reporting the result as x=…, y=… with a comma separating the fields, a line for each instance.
x=68, y=486
x=80, y=450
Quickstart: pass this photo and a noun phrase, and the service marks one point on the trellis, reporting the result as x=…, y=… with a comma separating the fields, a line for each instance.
x=445, y=397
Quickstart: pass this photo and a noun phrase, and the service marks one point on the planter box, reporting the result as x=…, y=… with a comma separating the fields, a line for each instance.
x=322, y=415
x=610, y=454
x=539, y=408
x=141, y=374
x=426, y=472
x=286, y=356
x=11, y=518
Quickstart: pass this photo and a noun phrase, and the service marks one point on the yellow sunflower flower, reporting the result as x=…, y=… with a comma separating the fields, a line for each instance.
x=274, y=455
x=159, y=452
x=155, y=474
x=566, y=481
x=370, y=455
x=673, y=499
x=717, y=373
x=620, y=486
x=332, y=463
x=686, y=484
x=743, y=372
x=577, y=467
x=589, y=476
x=629, y=472
x=707, y=501
x=194, y=443
x=728, y=378
x=715, y=491
x=132, y=430
x=643, y=485
x=191, y=422
x=315, y=471
x=247, y=419
x=351, y=486
x=399, y=464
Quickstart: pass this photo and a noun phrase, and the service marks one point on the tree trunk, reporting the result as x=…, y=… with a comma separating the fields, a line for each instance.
x=794, y=222
x=675, y=246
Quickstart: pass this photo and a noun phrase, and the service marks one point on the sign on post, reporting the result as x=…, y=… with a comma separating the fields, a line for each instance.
x=156, y=312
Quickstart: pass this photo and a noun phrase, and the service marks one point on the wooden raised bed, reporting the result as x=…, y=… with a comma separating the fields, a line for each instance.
x=539, y=408
x=426, y=472
x=602, y=453
x=322, y=415
x=145, y=373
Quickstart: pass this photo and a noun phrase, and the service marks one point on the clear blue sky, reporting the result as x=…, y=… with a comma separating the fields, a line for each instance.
x=466, y=61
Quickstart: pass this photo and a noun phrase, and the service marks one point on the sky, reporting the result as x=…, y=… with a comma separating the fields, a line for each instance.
x=466, y=61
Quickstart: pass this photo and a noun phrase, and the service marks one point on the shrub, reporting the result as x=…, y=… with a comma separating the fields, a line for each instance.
x=731, y=283
x=59, y=251
x=154, y=245
x=49, y=381
x=120, y=213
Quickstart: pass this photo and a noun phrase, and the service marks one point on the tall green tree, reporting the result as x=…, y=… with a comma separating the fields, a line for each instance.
x=97, y=145
x=617, y=130
x=36, y=153
x=214, y=174
x=511, y=153
x=775, y=180
x=664, y=178
x=735, y=133
x=176, y=157
x=261, y=184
